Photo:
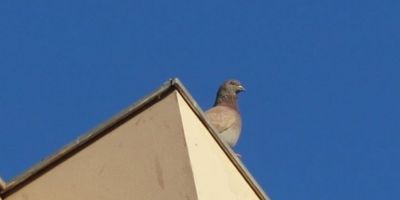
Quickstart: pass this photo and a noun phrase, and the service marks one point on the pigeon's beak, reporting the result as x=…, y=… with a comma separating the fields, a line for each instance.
x=241, y=88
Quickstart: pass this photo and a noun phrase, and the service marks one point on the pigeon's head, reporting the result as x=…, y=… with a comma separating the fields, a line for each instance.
x=227, y=93
x=231, y=87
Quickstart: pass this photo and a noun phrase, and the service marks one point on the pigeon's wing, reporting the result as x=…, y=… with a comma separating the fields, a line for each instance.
x=222, y=117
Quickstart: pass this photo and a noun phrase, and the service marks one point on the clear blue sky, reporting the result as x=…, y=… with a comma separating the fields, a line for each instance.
x=321, y=111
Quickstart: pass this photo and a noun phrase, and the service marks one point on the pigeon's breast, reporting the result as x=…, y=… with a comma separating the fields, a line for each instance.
x=227, y=122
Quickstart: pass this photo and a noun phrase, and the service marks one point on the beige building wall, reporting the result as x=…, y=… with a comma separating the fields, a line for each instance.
x=159, y=149
x=215, y=176
x=144, y=158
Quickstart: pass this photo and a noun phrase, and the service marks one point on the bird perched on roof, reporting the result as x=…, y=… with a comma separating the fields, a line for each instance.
x=224, y=116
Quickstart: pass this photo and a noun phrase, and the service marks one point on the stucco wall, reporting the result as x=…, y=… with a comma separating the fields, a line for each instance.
x=162, y=153
x=215, y=176
x=144, y=158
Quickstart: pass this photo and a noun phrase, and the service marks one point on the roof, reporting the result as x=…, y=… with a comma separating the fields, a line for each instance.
x=131, y=111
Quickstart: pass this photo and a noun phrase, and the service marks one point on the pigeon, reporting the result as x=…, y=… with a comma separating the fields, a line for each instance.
x=224, y=116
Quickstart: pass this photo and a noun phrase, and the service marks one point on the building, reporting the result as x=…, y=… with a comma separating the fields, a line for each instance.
x=161, y=148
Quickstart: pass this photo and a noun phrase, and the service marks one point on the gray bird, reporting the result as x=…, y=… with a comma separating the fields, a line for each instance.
x=224, y=116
